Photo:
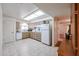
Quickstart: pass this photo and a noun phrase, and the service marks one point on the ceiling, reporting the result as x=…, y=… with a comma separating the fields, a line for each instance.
x=55, y=9
x=20, y=10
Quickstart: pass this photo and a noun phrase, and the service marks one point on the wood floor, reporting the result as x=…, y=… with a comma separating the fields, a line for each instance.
x=28, y=47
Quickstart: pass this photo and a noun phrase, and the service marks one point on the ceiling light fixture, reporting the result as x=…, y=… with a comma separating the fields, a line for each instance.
x=34, y=15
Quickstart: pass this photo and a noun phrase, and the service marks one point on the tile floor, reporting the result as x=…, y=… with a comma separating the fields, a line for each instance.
x=28, y=47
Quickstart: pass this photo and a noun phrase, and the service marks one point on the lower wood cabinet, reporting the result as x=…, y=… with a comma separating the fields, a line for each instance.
x=25, y=35
x=33, y=35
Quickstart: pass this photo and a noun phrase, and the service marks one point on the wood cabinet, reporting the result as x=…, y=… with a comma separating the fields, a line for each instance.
x=17, y=26
x=33, y=35
x=25, y=35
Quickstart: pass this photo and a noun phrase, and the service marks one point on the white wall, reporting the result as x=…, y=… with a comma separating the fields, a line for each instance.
x=0, y=30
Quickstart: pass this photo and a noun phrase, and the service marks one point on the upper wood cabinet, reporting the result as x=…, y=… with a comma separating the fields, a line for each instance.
x=17, y=26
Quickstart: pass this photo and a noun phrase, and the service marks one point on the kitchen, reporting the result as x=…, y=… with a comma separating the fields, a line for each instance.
x=40, y=31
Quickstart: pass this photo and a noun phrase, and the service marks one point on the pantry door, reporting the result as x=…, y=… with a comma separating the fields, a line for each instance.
x=8, y=31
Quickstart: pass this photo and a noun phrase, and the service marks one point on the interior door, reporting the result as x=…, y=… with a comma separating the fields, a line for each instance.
x=8, y=31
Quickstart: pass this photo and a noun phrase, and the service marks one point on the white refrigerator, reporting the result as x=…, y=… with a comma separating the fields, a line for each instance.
x=45, y=34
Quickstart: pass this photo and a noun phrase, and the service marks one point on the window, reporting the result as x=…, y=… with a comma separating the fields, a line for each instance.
x=24, y=27
x=34, y=15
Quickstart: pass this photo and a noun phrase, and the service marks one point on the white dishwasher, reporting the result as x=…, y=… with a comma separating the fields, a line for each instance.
x=18, y=35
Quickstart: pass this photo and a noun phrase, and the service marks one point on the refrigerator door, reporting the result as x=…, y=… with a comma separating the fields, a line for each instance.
x=45, y=35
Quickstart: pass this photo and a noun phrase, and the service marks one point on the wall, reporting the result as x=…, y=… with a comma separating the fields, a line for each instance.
x=0, y=30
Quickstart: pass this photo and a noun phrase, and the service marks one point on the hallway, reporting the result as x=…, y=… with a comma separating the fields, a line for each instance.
x=28, y=47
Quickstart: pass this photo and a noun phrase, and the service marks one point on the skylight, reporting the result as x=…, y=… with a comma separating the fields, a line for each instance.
x=34, y=15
